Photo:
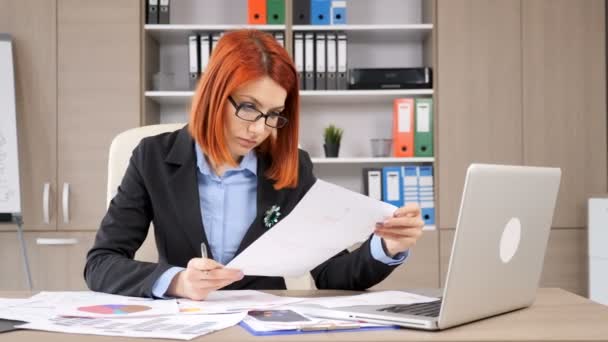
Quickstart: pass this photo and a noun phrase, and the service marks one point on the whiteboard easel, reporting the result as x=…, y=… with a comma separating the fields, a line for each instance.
x=10, y=190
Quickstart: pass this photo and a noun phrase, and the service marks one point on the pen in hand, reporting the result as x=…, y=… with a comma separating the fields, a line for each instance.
x=204, y=253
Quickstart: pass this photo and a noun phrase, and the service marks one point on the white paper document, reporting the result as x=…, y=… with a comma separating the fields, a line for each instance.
x=372, y=298
x=233, y=301
x=179, y=327
x=46, y=305
x=327, y=220
x=100, y=305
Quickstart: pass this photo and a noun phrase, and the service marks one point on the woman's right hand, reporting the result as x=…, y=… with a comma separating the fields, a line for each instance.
x=201, y=277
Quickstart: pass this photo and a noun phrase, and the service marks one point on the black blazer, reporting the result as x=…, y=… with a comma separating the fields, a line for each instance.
x=160, y=185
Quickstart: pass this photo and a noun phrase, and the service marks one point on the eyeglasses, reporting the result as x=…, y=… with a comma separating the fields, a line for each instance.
x=248, y=112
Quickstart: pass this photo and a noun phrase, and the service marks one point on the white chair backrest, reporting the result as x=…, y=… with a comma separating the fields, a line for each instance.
x=120, y=153
x=122, y=147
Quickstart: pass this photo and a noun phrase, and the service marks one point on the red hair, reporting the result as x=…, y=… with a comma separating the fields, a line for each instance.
x=239, y=57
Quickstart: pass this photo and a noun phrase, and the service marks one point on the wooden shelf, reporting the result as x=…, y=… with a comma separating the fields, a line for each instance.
x=410, y=32
x=167, y=34
x=181, y=97
x=372, y=160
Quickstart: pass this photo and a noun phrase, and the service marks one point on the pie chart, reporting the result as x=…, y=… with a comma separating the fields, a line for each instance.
x=114, y=309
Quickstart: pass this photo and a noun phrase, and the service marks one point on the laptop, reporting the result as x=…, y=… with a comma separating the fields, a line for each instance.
x=497, y=256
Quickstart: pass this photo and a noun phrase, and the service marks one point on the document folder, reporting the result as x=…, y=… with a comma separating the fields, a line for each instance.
x=319, y=12
x=423, y=136
x=403, y=130
x=321, y=55
x=163, y=14
x=309, y=61
x=372, y=183
x=152, y=12
x=301, y=12
x=392, y=185
x=256, y=12
x=332, y=62
x=275, y=10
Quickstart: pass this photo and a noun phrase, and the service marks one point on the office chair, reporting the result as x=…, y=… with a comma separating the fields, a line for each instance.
x=120, y=152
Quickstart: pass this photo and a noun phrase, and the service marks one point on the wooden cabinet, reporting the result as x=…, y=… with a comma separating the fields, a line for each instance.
x=523, y=82
x=98, y=96
x=78, y=86
x=33, y=27
x=479, y=93
x=564, y=96
x=56, y=260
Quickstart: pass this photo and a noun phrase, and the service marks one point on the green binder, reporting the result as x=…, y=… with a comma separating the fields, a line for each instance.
x=423, y=135
x=275, y=10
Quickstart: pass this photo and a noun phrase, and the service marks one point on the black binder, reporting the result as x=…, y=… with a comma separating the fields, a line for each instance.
x=301, y=12
x=152, y=12
x=163, y=14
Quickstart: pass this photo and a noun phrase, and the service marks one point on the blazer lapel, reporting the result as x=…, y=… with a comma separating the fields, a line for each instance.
x=184, y=190
x=267, y=196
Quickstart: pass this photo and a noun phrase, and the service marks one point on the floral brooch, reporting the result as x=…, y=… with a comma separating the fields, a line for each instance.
x=272, y=216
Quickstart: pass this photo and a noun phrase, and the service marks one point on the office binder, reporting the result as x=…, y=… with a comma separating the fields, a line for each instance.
x=403, y=130
x=275, y=10
x=320, y=57
x=319, y=12
x=298, y=55
x=372, y=183
x=426, y=194
x=342, y=76
x=152, y=12
x=280, y=37
x=193, y=59
x=423, y=136
x=331, y=62
x=215, y=37
x=338, y=12
x=392, y=185
x=163, y=13
x=256, y=12
x=309, y=61
x=204, y=52
x=301, y=12
x=410, y=184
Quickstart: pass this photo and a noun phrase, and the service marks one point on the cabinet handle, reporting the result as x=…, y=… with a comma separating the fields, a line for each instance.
x=66, y=202
x=56, y=242
x=46, y=193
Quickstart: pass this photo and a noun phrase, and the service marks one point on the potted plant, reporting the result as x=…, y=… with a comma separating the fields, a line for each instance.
x=332, y=136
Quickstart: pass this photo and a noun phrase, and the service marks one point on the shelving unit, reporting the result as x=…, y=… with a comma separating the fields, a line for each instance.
x=384, y=33
x=181, y=97
x=372, y=160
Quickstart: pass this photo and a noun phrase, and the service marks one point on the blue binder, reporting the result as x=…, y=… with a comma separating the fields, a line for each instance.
x=392, y=185
x=410, y=184
x=338, y=12
x=426, y=194
x=319, y=12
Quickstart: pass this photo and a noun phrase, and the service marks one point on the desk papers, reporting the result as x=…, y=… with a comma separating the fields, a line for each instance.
x=174, y=327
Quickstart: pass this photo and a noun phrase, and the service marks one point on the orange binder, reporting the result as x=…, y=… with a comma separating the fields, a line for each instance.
x=256, y=12
x=403, y=127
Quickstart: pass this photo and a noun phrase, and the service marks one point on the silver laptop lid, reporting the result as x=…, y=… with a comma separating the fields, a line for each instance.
x=499, y=245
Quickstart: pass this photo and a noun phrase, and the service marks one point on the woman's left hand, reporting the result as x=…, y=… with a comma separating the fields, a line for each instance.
x=401, y=231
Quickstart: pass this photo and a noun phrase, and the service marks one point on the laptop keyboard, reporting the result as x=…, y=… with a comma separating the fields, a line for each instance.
x=430, y=309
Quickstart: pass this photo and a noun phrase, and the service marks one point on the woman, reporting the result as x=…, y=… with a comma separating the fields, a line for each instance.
x=213, y=181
